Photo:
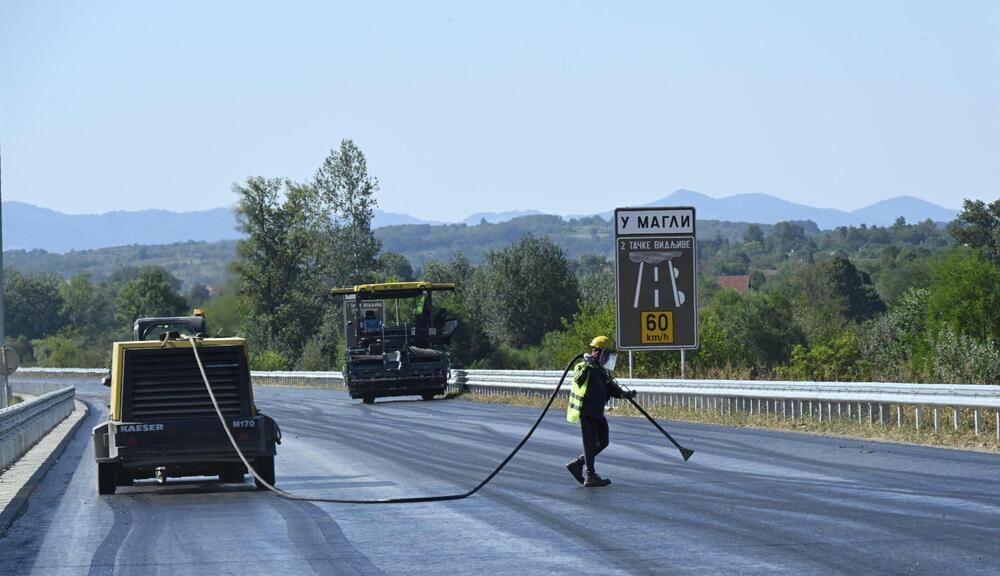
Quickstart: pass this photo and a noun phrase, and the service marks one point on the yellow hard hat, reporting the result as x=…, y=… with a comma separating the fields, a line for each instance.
x=602, y=342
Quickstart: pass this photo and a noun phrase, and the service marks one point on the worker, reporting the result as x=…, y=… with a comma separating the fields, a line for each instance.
x=371, y=324
x=592, y=386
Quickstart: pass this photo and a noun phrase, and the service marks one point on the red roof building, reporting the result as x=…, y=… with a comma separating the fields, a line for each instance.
x=739, y=283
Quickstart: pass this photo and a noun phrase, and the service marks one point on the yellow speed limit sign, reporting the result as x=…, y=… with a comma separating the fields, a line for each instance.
x=657, y=327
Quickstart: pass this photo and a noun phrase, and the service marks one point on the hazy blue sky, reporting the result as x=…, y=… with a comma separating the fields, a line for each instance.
x=560, y=106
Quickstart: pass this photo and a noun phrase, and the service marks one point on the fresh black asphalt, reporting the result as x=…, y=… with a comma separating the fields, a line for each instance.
x=748, y=502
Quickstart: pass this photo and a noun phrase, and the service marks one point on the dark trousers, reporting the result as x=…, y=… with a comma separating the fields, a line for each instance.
x=595, y=438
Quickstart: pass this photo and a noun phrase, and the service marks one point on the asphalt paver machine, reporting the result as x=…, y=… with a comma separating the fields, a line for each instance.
x=395, y=340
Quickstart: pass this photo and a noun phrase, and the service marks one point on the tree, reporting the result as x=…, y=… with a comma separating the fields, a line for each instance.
x=34, y=305
x=469, y=343
x=892, y=342
x=753, y=233
x=198, y=295
x=978, y=226
x=85, y=306
x=153, y=293
x=523, y=291
x=789, y=237
x=965, y=295
x=829, y=295
x=754, y=330
x=282, y=264
x=346, y=187
x=854, y=286
x=394, y=267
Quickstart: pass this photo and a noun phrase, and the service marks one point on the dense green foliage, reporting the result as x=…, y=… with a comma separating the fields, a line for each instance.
x=907, y=302
x=523, y=291
x=52, y=322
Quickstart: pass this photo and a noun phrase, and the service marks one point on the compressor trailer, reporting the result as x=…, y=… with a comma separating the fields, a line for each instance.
x=162, y=422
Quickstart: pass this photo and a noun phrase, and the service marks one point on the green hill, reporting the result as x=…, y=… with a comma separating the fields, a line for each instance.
x=208, y=263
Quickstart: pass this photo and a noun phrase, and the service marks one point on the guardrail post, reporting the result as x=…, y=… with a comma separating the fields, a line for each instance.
x=976, y=415
x=881, y=419
x=899, y=416
x=954, y=417
x=917, y=412
x=935, y=418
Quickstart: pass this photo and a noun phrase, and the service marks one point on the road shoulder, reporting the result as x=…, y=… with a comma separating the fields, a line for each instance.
x=21, y=479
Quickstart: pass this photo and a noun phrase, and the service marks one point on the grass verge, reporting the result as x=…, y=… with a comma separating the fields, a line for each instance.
x=945, y=436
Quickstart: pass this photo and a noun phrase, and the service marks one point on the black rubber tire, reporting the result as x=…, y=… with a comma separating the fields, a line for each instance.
x=125, y=478
x=232, y=474
x=368, y=400
x=264, y=465
x=107, y=473
x=427, y=397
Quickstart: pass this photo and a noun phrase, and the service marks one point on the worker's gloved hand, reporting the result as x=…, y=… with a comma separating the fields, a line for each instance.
x=629, y=394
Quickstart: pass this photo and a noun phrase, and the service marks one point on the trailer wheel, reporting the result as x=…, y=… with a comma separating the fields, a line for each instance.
x=264, y=465
x=427, y=397
x=106, y=477
x=368, y=399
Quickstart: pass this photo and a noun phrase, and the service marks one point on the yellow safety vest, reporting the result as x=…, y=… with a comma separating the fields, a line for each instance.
x=581, y=378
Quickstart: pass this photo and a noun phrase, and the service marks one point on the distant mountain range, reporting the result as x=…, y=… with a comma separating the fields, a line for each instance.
x=766, y=209
x=29, y=227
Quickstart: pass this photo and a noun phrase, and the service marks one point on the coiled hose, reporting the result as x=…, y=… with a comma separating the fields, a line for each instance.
x=407, y=500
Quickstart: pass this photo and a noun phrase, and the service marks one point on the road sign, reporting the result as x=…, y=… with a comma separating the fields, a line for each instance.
x=10, y=361
x=656, y=279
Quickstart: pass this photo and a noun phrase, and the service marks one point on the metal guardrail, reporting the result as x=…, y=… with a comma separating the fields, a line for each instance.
x=874, y=402
x=25, y=423
x=920, y=405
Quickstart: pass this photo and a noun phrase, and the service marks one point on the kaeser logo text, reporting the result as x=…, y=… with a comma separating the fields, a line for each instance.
x=140, y=427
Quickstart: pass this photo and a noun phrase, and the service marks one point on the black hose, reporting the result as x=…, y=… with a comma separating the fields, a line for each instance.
x=406, y=500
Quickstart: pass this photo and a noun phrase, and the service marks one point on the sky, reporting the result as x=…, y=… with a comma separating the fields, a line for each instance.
x=462, y=107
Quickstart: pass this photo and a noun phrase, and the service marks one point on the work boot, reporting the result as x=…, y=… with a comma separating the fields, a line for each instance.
x=576, y=469
x=593, y=480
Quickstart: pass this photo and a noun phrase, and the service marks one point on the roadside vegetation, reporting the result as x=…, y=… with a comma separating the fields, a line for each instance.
x=911, y=302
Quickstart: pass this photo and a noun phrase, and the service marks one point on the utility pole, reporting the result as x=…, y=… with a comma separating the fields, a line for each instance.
x=5, y=395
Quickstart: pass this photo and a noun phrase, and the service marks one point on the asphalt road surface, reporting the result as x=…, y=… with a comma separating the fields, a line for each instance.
x=749, y=502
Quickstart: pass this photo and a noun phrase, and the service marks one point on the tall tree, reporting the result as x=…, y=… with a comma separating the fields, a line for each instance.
x=978, y=226
x=85, y=306
x=394, y=267
x=153, y=293
x=348, y=190
x=281, y=264
x=33, y=303
x=854, y=286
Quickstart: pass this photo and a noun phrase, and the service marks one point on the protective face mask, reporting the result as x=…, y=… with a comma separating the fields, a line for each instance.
x=609, y=363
